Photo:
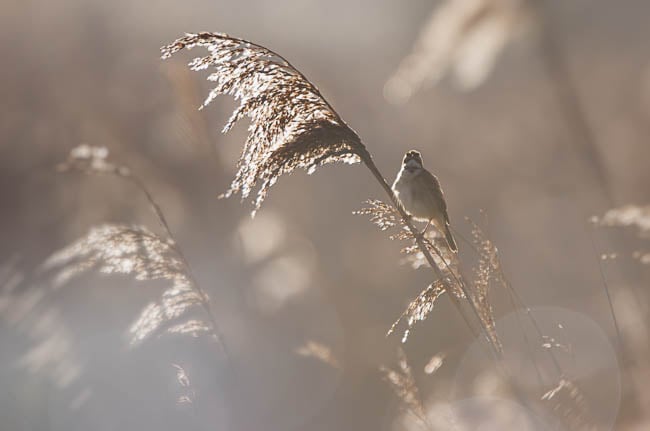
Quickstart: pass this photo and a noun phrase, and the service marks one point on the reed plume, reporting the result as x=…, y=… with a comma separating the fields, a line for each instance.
x=402, y=383
x=135, y=250
x=418, y=309
x=292, y=126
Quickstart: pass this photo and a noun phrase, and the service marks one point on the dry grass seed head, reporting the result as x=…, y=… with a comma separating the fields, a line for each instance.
x=134, y=250
x=487, y=271
x=419, y=308
x=292, y=126
x=402, y=383
x=383, y=215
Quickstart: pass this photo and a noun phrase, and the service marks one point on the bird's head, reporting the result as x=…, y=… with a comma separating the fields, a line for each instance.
x=412, y=160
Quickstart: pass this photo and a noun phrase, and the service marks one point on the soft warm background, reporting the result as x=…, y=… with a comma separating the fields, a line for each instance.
x=305, y=268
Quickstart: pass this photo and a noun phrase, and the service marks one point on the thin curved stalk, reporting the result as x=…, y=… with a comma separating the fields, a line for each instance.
x=607, y=294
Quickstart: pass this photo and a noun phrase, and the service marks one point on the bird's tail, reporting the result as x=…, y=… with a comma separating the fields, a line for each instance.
x=450, y=239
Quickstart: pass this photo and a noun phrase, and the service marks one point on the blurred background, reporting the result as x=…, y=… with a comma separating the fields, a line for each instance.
x=541, y=123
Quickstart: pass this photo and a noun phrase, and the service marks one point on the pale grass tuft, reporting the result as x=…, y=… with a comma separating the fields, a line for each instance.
x=383, y=215
x=443, y=257
x=134, y=250
x=118, y=249
x=418, y=309
x=192, y=327
x=292, y=126
x=487, y=272
x=402, y=382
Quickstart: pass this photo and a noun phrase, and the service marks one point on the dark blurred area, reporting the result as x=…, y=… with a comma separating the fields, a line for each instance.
x=305, y=269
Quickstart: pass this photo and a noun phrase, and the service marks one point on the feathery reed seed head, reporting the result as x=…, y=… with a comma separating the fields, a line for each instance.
x=136, y=251
x=292, y=126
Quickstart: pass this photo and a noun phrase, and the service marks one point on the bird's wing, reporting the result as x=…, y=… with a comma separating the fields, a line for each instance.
x=437, y=191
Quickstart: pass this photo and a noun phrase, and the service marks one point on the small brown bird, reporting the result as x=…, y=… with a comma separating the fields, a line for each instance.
x=419, y=192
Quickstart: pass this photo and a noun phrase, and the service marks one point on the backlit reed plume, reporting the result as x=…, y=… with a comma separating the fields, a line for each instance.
x=418, y=309
x=292, y=126
x=462, y=38
x=487, y=273
x=136, y=251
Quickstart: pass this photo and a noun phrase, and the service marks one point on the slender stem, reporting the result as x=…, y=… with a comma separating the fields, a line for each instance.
x=529, y=345
x=607, y=294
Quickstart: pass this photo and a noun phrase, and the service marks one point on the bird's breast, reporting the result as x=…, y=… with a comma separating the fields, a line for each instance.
x=415, y=196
